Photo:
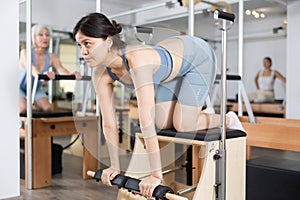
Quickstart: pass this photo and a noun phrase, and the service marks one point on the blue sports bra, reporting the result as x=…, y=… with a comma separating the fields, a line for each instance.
x=160, y=75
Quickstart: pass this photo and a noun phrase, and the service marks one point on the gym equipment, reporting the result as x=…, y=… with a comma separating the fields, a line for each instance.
x=131, y=184
x=63, y=77
x=214, y=6
x=45, y=125
x=273, y=178
x=274, y=133
x=56, y=158
x=238, y=79
x=205, y=167
x=43, y=129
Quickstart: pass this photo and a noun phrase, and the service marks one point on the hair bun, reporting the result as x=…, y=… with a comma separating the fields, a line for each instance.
x=117, y=26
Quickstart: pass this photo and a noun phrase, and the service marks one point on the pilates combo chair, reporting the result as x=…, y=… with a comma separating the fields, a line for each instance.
x=45, y=125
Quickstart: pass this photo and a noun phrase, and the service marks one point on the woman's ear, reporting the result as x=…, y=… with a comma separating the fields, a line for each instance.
x=109, y=42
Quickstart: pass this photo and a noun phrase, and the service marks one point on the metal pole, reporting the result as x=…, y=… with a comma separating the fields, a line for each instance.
x=211, y=3
x=223, y=112
x=221, y=21
x=141, y=9
x=98, y=6
x=241, y=53
x=98, y=9
x=22, y=1
x=98, y=114
x=191, y=18
x=29, y=95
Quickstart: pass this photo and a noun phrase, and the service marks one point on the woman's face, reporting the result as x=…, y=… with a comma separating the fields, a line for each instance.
x=42, y=38
x=93, y=50
x=267, y=63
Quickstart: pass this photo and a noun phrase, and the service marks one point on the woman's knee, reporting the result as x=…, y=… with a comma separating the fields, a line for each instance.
x=44, y=104
x=47, y=108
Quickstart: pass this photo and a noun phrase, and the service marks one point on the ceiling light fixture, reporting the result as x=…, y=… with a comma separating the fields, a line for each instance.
x=255, y=14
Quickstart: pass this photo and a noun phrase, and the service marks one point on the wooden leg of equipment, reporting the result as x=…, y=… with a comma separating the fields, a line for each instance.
x=42, y=131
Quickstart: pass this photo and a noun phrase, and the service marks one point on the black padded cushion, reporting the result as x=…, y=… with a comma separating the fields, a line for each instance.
x=272, y=178
x=39, y=114
x=203, y=135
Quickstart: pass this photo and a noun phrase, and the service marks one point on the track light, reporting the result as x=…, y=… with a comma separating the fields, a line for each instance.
x=255, y=14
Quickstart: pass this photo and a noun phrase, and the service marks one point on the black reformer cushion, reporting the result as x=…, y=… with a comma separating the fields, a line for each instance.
x=39, y=114
x=202, y=135
x=272, y=178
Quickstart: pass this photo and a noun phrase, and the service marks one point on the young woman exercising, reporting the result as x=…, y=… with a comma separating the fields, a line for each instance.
x=171, y=81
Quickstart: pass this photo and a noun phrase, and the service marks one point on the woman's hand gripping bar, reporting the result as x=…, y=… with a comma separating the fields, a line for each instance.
x=131, y=184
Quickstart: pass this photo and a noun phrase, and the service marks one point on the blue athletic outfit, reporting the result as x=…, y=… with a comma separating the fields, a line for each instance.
x=193, y=81
x=40, y=93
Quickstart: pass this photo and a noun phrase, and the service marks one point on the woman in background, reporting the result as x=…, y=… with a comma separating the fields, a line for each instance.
x=41, y=62
x=264, y=82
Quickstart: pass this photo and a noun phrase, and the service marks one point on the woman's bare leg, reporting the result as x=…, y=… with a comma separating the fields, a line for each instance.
x=43, y=104
x=164, y=112
x=189, y=118
x=22, y=108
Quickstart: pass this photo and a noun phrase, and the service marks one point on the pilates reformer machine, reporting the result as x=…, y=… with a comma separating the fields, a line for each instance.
x=45, y=125
x=218, y=155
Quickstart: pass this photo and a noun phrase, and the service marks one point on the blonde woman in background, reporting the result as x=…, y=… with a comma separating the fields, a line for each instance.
x=41, y=62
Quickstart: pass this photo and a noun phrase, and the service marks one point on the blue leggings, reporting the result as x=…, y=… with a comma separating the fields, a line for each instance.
x=197, y=73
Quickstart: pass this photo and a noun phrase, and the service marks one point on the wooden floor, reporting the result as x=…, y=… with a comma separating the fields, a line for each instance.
x=70, y=185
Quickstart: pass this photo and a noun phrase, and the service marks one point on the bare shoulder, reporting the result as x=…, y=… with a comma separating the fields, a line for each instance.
x=23, y=53
x=277, y=73
x=101, y=74
x=141, y=55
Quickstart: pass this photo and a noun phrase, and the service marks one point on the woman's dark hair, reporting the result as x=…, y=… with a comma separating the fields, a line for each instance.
x=269, y=59
x=97, y=25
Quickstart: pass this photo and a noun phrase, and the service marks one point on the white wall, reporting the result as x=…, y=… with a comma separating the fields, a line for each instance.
x=293, y=69
x=9, y=79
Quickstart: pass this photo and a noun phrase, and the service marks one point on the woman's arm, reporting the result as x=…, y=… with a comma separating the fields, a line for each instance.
x=104, y=90
x=143, y=82
x=23, y=63
x=55, y=62
x=280, y=76
x=256, y=80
